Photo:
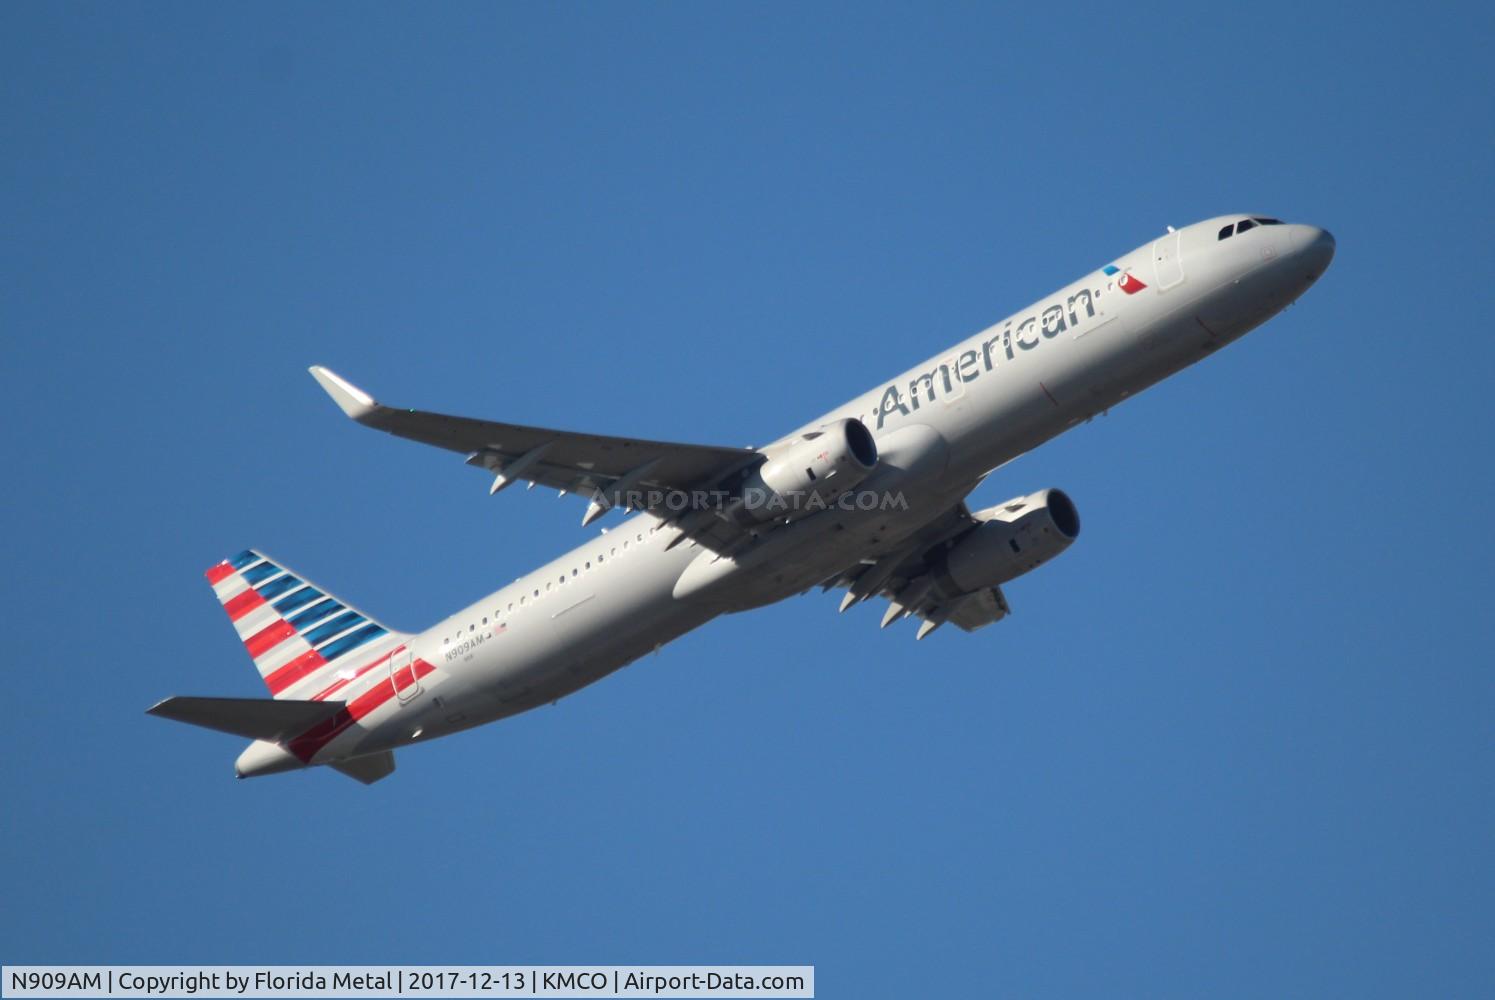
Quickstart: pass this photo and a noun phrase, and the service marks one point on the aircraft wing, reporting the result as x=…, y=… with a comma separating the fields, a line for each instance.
x=608, y=470
x=903, y=576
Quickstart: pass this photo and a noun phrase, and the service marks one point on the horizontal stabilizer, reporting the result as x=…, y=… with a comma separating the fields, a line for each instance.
x=255, y=718
x=368, y=769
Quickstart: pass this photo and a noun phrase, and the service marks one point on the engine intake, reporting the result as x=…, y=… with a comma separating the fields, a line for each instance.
x=1012, y=539
x=810, y=472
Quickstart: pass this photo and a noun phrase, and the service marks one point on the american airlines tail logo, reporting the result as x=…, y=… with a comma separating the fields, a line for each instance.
x=1128, y=282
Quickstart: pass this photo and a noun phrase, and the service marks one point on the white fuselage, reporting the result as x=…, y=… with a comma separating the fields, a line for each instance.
x=940, y=427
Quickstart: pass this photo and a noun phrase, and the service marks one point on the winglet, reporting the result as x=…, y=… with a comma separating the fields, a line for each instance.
x=350, y=399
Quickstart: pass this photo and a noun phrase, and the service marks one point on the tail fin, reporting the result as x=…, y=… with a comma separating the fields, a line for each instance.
x=304, y=642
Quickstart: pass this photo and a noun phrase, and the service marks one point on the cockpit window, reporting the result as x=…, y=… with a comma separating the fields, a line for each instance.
x=1244, y=225
x=1227, y=231
x=1268, y=222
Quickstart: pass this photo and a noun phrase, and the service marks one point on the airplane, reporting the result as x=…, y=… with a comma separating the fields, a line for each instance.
x=868, y=498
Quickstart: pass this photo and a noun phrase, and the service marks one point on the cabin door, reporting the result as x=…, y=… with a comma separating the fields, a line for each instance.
x=1169, y=264
x=402, y=675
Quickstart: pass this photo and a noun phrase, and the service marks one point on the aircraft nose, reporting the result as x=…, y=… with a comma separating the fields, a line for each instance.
x=1313, y=246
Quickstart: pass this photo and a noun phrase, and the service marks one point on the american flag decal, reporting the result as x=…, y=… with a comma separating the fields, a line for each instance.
x=300, y=637
x=1128, y=282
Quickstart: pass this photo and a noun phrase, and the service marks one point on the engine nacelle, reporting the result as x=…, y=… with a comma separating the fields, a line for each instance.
x=1012, y=539
x=811, y=472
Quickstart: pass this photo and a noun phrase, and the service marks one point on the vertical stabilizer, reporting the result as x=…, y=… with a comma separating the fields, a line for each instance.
x=305, y=642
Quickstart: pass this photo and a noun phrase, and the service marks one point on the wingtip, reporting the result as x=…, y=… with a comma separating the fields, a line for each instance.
x=350, y=399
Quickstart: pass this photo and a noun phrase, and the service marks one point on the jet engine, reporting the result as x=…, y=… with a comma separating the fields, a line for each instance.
x=1012, y=539
x=809, y=473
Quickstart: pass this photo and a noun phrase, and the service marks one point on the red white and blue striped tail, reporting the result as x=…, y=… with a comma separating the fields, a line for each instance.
x=304, y=641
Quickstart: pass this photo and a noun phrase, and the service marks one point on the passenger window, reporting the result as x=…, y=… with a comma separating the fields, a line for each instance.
x=485, y=619
x=1227, y=231
x=1244, y=225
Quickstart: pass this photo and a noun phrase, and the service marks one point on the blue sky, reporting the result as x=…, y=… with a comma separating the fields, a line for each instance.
x=1236, y=742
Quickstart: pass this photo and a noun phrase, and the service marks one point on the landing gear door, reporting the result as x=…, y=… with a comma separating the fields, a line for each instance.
x=1168, y=262
x=402, y=675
